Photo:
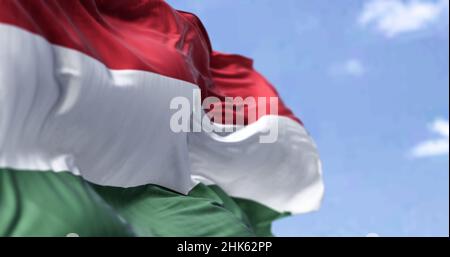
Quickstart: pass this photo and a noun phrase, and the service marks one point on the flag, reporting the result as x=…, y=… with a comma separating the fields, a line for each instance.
x=87, y=143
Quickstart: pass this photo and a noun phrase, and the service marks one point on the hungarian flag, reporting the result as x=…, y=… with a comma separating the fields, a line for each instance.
x=94, y=138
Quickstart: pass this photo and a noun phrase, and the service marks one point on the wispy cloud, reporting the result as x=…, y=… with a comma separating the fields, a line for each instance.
x=393, y=17
x=434, y=147
x=351, y=67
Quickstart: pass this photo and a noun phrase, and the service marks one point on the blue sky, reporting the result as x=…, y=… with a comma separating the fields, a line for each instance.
x=370, y=80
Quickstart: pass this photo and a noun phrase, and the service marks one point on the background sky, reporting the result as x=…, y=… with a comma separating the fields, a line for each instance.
x=370, y=80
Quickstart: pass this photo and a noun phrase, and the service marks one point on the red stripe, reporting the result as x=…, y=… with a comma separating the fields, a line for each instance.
x=234, y=76
x=143, y=35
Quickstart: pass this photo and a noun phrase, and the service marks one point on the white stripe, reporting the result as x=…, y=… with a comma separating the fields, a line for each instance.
x=62, y=110
x=285, y=175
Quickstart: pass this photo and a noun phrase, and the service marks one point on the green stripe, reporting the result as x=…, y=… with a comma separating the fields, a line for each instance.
x=259, y=216
x=56, y=204
x=154, y=210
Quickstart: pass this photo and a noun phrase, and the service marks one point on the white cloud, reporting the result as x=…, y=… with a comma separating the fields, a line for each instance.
x=434, y=147
x=352, y=67
x=393, y=17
